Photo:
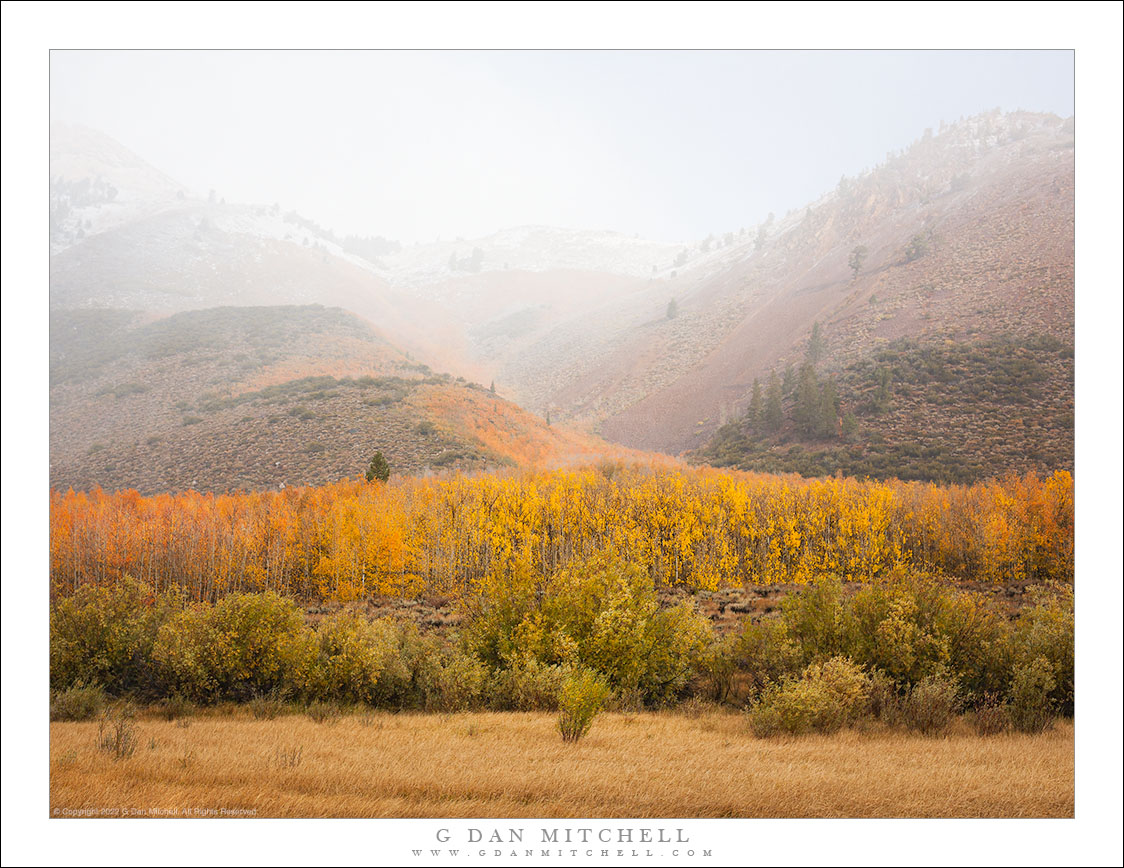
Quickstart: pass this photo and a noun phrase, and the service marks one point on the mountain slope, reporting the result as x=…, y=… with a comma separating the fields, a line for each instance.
x=968, y=235
x=96, y=185
x=952, y=257
x=264, y=396
x=942, y=410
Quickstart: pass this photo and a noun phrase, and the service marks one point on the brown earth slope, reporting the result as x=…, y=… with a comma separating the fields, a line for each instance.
x=968, y=234
x=260, y=397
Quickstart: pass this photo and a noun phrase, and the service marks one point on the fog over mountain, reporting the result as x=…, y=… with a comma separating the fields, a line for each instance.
x=417, y=146
x=966, y=238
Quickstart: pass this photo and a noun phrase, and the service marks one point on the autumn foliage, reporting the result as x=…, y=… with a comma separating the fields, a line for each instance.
x=696, y=528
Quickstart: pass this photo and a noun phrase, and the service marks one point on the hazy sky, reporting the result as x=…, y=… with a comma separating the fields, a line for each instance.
x=415, y=145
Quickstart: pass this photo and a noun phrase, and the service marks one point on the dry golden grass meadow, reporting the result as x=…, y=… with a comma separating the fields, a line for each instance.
x=516, y=765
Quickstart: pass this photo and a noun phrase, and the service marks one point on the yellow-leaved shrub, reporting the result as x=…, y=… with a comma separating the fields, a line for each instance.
x=245, y=645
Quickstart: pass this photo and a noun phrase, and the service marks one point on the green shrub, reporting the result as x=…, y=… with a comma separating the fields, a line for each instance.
x=500, y=611
x=353, y=655
x=885, y=701
x=1045, y=630
x=895, y=629
x=717, y=665
x=817, y=619
x=912, y=625
x=601, y=614
x=105, y=635
x=767, y=652
x=580, y=700
x=528, y=685
x=767, y=717
x=907, y=625
x=931, y=704
x=80, y=702
x=243, y=646
x=609, y=609
x=847, y=683
x=403, y=681
x=455, y=682
x=824, y=698
x=1031, y=703
x=628, y=700
x=637, y=646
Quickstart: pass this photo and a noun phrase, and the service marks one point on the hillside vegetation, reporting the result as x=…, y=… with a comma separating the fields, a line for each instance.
x=944, y=410
x=262, y=397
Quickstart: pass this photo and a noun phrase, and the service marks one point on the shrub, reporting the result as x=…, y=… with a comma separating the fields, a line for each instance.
x=885, y=702
x=628, y=700
x=717, y=665
x=528, y=685
x=1046, y=630
x=243, y=646
x=918, y=246
x=694, y=707
x=931, y=704
x=991, y=716
x=601, y=614
x=766, y=719
x=268, y=707
x=608, y=611
x=353, y=655
x=675, y=640
x=847, y=683
x=796, y=707
x=402, y=683
x=455, y=682
x=117, y=734
x=817, y=619
x=324, y=712
x=913, y=625
x=176, y=707
x=1031, y=704
x=894, y=630
x=824, y=698
x=582, y=695
x=105, y=635
x=767, y=652
x=79, y=702
x=288, y=757
x=505, y=618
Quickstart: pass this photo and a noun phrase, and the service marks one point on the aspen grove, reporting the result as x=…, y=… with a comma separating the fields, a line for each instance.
x=696, y=528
